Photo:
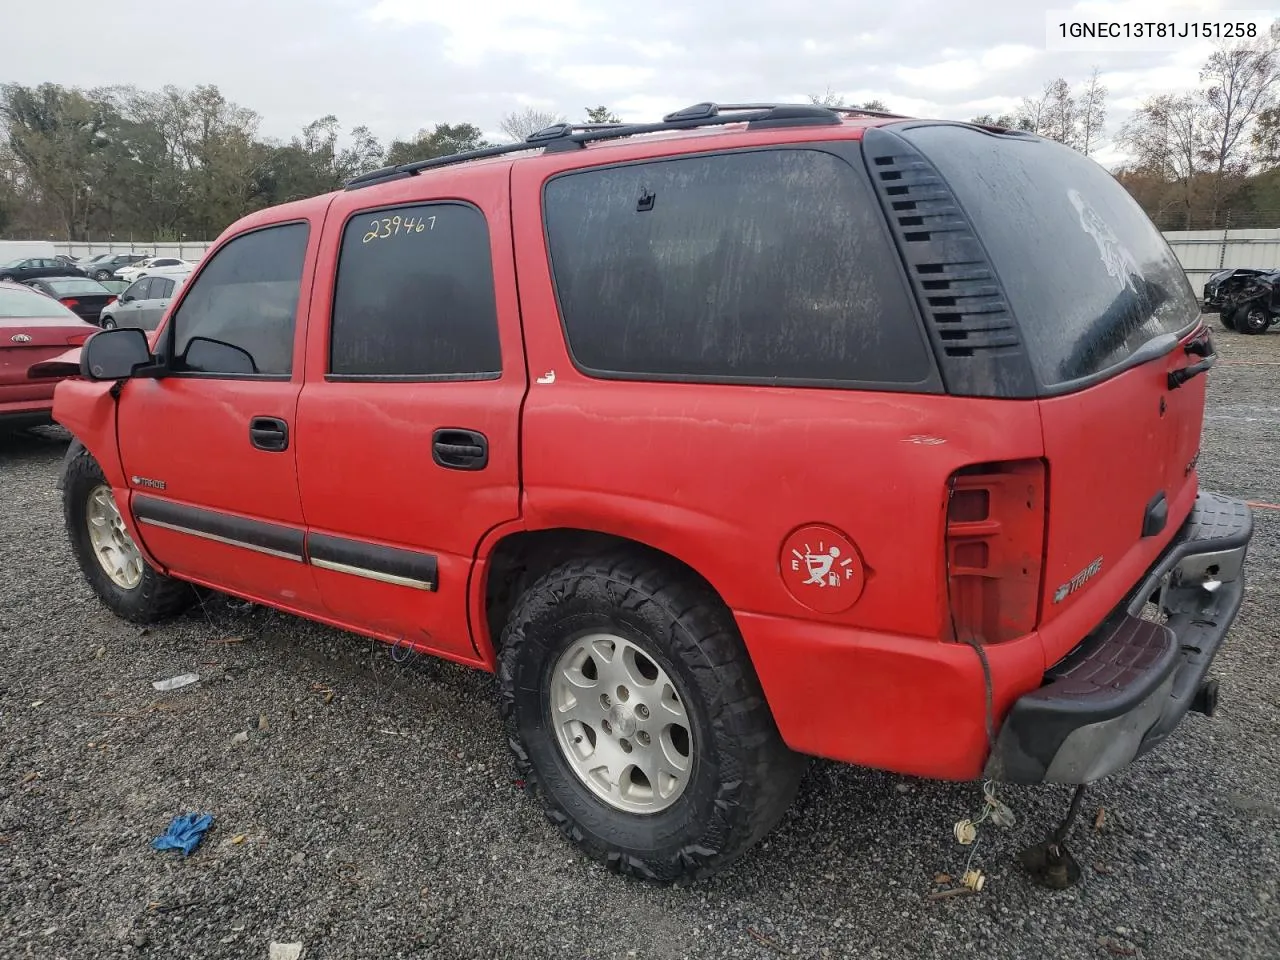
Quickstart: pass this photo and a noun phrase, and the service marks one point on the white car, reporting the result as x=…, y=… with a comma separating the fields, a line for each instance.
x=155, y=266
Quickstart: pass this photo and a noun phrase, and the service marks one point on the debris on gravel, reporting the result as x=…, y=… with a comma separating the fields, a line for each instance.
x=366, y=806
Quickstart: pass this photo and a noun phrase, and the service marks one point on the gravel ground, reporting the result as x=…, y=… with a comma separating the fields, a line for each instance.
x=384, y=822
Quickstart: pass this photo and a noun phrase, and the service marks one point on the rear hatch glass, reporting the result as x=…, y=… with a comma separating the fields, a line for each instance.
x=1088, y=276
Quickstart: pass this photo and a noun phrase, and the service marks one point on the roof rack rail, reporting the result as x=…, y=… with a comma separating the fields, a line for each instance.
x=571, y=136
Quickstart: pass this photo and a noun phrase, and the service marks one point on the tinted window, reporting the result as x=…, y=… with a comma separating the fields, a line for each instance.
x=414, y=295
x=137, y=289
x=161, y=287
x=247, y=296
x=76, y=285
x=1089, y=277
x=770, y=265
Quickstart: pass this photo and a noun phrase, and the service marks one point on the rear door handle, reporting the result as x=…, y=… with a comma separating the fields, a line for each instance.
x=269, y=433
x=458, y=449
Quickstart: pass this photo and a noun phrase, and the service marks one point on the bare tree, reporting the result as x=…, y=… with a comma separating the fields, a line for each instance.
x=520, y=123
x=1167, y=135
x=1243, y=82
x=1061, y=115
x=1092, y=113
x=828, y=99
x=1033, y=114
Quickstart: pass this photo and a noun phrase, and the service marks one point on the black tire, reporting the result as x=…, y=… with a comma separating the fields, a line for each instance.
x=1252, y=319
x=742, y=778
x=156, y=597
x=102, y=275
x=1228, y=319
x=107, y=322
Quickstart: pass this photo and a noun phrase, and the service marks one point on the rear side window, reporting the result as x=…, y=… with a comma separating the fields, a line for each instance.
x=1088, y=276
x=414, y=296
x=766, y=265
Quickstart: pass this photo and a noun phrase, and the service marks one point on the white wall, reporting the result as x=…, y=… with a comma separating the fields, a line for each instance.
x=188, y=250
x=1201, y=252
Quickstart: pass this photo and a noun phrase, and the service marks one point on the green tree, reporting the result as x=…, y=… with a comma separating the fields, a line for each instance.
x=442, y=140
x=602, y=114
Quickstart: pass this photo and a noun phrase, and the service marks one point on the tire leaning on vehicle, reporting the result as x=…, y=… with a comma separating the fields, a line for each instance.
x=1228, y=319
x=150, y=596
x=739, y=778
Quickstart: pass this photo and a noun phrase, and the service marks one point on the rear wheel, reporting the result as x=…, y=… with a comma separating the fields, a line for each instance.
x=1252, y=319
x=106, y=553
x=102, y=275
x=631, y=706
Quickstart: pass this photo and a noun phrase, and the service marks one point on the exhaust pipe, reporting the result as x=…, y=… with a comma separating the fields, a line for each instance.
x=1206, y=698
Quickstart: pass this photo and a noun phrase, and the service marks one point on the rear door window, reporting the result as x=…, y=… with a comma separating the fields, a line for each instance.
x=414, y=296
x=1089, y=278
x=754, y=266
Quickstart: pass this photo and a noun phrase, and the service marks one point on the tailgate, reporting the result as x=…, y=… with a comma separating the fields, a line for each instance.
x=1122, y=479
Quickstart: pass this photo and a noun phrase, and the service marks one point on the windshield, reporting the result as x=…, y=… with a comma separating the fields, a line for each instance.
x=29, y=303
x=1089, y=277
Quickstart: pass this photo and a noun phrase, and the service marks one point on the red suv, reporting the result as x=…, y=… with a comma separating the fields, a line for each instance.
x=755, y=433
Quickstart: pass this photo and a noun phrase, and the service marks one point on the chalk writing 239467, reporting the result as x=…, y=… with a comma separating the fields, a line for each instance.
x=398, y=226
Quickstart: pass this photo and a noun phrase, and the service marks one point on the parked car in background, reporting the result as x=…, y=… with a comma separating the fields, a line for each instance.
x=33, y=267
x=68, y=261
x=84, y=296
x=104, y=266
x=1249, y=300
x=142, y=305
x=1222, y=282
x=33, y=327
x=153, y=266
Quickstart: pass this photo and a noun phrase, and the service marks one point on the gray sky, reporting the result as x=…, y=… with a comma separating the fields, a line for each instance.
x=399, y=65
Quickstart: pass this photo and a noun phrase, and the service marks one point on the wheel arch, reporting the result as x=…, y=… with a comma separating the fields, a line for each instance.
x=518, y=557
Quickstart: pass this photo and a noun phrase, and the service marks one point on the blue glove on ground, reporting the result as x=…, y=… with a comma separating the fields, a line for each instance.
x=185, y=833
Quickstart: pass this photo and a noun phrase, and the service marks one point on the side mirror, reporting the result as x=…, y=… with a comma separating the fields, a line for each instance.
x=114, y=354
x=127, y=298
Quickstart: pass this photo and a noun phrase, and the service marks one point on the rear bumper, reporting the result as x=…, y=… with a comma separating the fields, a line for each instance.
x=34, y=412
x=1130, y=683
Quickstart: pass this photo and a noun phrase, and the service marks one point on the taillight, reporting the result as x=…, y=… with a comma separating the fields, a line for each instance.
x=69, y=302
x=78, y=339
x=995, y=549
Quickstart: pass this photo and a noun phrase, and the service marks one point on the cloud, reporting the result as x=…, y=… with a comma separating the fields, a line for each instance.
x=400, y=65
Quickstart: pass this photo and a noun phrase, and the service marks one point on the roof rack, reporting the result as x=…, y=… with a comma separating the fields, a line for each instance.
x=572, y=136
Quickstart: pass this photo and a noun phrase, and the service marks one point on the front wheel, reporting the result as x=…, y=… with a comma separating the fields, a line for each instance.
x=108, y=323
x=102, y=275
x=1252, y=319
x=631, y=706
x=109, y=559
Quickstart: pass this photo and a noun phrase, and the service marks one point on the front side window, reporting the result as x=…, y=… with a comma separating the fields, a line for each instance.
x=756, y=266
x=244, y=302
x=138, y=290
x=414, y=296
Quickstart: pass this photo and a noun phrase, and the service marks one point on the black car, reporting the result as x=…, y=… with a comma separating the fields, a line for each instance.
x=84, y=296
x=31, y=268
x=104, y=266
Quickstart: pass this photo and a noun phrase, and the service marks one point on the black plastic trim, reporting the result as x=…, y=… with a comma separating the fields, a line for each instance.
x=1128, y=685
x=239, y=531
x=377, y=559
x=975, y=338
x=1156, y=517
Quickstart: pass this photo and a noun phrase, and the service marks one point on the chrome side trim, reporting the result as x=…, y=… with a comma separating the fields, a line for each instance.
x=227, y=540
x=372, y=574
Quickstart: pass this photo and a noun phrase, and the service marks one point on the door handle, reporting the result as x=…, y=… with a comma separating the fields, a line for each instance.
x=269, y=433
x=457, y=449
